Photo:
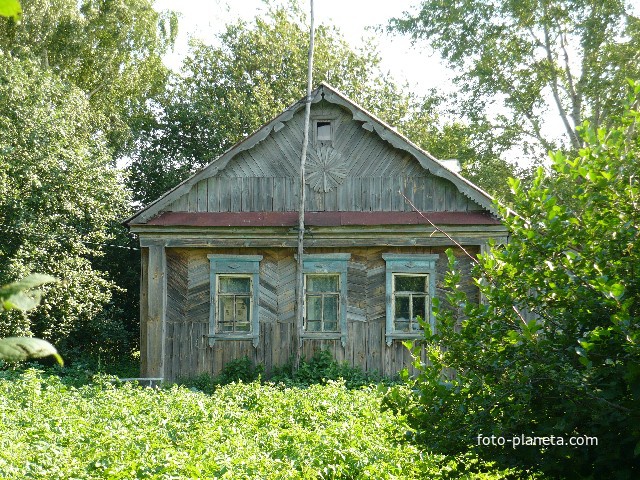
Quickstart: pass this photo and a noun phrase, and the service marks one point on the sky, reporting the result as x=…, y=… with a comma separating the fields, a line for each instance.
x=415, y=65
x=412, y=64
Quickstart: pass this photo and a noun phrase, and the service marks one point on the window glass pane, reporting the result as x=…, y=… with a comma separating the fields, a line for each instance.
x=406, y=283
x=234, y=313
x=242, y=309
x=324, y=131
x=330, y=326
x=330, y=308
x=225, y=314
x=313, y=326
x=314, y=307
x=227, y=284
x=322, y=283
x=401, y=315
x=419, y=304
x=243, y=327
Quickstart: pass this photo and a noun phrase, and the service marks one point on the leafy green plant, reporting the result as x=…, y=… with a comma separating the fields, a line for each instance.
x=51, y=429
x=17, y=349
x=323, y=368
x=24, y=295
x=555, y=349
x=239, y=370
x=320, y=369
x=10, y=9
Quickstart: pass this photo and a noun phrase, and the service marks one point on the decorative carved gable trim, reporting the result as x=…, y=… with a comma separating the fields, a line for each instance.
x=325, y=169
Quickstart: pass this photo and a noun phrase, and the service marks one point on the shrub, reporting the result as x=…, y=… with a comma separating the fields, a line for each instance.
x=239, y=370
x=555, y=350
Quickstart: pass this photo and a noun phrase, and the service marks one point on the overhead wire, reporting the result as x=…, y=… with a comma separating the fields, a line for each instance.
x=17, y=231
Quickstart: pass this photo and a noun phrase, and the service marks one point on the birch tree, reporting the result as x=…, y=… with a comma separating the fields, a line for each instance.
x=534, y=60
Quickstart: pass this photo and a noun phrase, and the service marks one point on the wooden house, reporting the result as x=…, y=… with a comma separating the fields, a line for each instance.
x=219, y=250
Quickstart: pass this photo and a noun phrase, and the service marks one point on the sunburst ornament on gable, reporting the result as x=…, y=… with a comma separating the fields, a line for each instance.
x=325, y=169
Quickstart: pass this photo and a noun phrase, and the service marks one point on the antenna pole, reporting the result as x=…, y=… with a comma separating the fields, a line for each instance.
x=303, y=156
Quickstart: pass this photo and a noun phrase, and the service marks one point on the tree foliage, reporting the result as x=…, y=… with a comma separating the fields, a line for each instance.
x=534, y=59
x=110, y=49
x=58, y=194
x=251, y=74
x=555, y=350
x=77, y=79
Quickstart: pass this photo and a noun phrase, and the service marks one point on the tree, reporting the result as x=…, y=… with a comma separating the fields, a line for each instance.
x=109, y=52
x=58, y=193
x=255, y=71
x=534, y=59
x=109, y=49
x=555, y=349
x=478, y=151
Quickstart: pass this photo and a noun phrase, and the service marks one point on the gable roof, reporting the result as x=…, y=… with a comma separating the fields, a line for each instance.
x=370, y=123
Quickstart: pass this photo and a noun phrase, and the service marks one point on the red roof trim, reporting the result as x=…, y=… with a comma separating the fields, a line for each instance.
x=319, y=219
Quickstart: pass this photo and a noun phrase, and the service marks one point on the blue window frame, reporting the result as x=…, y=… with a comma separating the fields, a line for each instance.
x=234, y=297
x=410, y=286
x=325, y=310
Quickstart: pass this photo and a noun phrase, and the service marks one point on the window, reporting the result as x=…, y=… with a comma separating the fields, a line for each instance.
x=323, y=132
x=322, y=302
x=410, y=286
x=234, y=304
x=325, y=312
x=410, y=301
x=234, y=297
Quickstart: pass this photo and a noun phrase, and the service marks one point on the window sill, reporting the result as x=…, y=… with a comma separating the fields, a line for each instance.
x=322, y=335
x=403, y=336
x=221, y=337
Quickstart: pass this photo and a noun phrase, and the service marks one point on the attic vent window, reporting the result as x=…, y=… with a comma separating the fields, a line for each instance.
x=323, y=131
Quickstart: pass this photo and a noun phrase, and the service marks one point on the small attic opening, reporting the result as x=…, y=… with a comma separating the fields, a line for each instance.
x=323, y=131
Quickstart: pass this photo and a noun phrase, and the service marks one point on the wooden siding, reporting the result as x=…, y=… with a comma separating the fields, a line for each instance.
x=356, y=194
x=265, y=177
x=186, y=346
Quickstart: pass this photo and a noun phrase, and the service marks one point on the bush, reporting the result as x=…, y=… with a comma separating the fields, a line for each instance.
x=239, y=370
x=555, y=350
x=319, y=369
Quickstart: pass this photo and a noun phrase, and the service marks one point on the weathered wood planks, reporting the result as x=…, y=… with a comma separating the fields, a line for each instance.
x=187, y=352
x=263, y=178
x=355, y=194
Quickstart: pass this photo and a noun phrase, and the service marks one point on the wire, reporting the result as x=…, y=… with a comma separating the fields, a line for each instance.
x=11, y=229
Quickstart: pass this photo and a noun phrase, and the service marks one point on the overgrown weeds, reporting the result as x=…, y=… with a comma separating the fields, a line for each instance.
x=319, y=369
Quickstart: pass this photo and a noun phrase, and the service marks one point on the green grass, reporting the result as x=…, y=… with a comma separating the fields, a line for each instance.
x=49, y=429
